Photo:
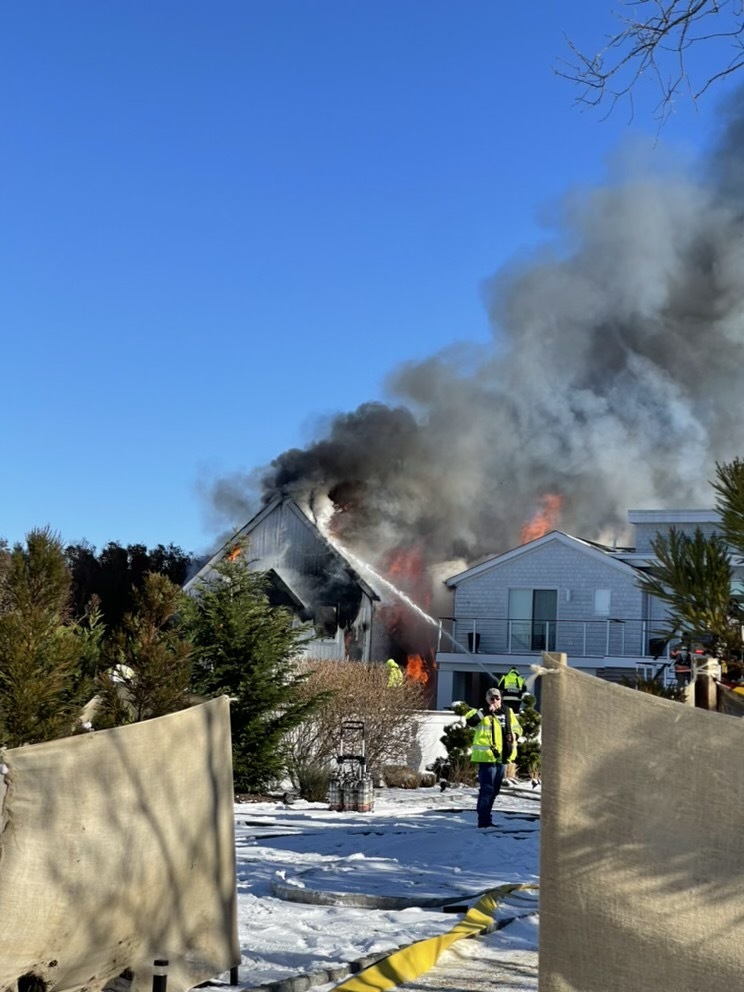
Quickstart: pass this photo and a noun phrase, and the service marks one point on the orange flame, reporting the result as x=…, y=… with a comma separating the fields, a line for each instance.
x=233, y=554
x=405, y=567
x=544, y=519
x=405, y=563
x=416, y=669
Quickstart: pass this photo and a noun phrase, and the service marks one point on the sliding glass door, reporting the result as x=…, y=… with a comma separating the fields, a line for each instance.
x=532, y=617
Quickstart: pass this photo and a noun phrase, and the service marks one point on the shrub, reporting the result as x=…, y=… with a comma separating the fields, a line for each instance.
x=528, y=752
x=400, y=777
x=354, y=690
x=312, y=780
x=461, y=770
x=457, y=739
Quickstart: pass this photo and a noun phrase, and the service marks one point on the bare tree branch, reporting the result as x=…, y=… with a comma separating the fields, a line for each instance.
x=655, y=41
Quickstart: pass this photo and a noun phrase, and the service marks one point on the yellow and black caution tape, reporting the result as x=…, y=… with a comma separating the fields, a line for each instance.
x=407, y=964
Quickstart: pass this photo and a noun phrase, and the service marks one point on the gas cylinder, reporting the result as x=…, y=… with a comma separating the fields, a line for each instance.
x=334, y=793
x=365, y=794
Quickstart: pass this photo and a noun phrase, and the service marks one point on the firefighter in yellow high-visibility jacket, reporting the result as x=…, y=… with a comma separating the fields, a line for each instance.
x=395, y=676
x=497, y=731
x=513, y=687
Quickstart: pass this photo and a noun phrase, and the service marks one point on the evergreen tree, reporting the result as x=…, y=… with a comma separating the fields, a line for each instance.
x=85, y=570
x=116, y=572
x=246, y=648
x=92, y=631
x=457, y=740
x=528, y=752
x=43, y=681
x=692, y=576
x=4, y=568
x=149, y=660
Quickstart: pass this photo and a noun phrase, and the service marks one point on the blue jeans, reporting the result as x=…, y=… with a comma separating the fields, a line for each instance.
x=490, y=777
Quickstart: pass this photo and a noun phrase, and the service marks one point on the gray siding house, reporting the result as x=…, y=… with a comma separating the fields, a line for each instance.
x=558, y=593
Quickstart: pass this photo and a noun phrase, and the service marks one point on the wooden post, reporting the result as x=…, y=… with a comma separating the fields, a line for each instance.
x=706, y=694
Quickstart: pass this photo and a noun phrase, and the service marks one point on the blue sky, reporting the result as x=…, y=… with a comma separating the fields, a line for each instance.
x=223, y=223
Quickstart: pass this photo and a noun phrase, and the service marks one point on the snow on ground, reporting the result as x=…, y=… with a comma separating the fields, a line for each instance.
x=319, y=889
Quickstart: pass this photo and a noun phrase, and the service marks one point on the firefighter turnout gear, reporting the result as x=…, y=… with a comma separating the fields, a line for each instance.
x=495, y=740
x=512, y=687
x=395, y=676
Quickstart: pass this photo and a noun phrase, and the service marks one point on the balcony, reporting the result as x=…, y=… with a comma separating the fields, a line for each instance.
x=597, y=638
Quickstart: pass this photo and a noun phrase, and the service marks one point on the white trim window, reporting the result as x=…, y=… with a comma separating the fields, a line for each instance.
x=602, y=601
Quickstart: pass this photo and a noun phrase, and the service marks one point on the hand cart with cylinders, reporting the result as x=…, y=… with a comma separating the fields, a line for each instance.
x=350, y=787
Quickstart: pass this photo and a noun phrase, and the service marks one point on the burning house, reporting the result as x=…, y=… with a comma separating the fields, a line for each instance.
x=360, y=617
x=612, y=379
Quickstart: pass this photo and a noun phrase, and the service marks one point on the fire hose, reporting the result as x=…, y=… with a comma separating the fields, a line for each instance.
x=407, y=964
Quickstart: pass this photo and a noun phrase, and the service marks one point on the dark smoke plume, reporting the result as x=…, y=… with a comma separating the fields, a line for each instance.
x=613, y=381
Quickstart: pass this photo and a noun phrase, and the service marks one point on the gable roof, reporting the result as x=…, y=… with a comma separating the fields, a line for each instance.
x=595, y=552
x=266, y=511
x=230, y=543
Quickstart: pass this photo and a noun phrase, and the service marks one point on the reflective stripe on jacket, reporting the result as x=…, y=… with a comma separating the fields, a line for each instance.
x=488, y=744
x=512, y=682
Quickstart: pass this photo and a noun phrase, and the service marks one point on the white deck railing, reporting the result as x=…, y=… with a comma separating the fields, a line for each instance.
x=596, y=638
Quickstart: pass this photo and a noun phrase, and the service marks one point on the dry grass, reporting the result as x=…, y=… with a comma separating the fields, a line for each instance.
x=403, y=777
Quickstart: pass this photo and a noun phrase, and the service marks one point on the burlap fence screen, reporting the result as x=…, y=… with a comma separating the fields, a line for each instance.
x=117, y=848
x=729, y=702
x=642, y=841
